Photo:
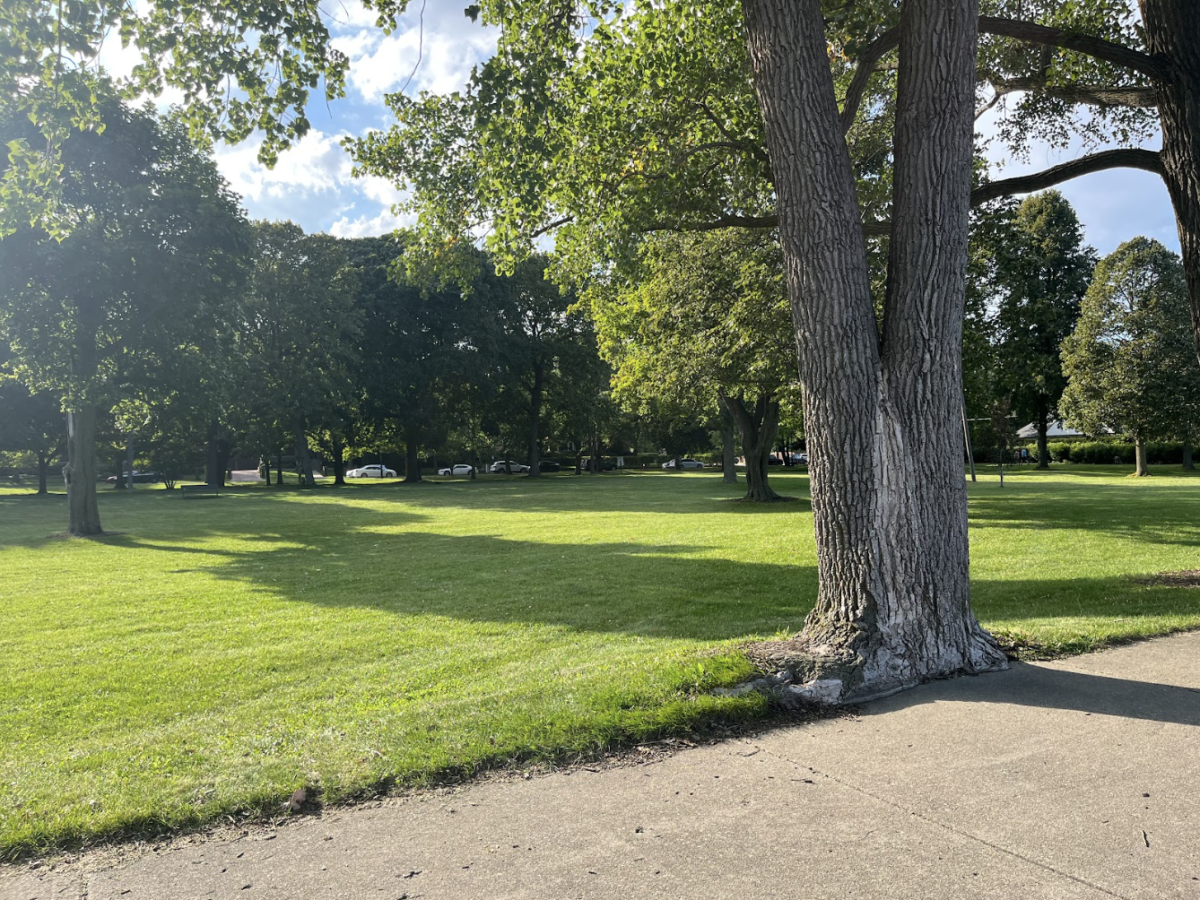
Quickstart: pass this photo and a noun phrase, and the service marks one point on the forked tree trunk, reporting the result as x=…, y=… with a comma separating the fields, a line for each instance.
x=1173, y=37
x=889, y=498
x=1141, y=466
x=80, y=473
x=757, y=428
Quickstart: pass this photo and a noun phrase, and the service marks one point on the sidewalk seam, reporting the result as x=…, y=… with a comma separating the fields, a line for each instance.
x=950, y=828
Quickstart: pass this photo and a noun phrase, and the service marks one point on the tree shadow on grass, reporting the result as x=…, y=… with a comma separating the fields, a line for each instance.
x=1164, y=515
x=677, y=494
x=646, y=589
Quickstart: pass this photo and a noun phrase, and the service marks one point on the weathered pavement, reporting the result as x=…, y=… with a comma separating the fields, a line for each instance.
x=1076, y=779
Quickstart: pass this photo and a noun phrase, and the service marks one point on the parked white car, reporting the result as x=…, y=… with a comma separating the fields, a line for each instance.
x=500, y=467
x=371, y=472
x=683, y=464
x=457, y=469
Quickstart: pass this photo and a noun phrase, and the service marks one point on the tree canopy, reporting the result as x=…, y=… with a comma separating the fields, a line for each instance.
x=1130, y=362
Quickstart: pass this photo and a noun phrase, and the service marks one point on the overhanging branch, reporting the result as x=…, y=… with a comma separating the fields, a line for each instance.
x=1131, y=96
x=1095, y=47
x=1146, y=160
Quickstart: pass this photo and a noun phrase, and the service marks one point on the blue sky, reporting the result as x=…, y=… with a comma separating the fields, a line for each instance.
x=312, y=184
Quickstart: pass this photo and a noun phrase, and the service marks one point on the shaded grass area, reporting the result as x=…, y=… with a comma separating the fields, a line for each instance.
x=214, y=655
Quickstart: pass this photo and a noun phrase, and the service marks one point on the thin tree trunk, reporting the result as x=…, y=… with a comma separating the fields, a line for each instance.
x=339, y=463
x=80, y=473
x=1188, y=464
x=303, y=459
x=266, y=470
x=728, y=451
x=43, y=465
x=279, y=469
x=213, y=474
x=1043, y=442
x=129, y=462
x=889, y=499
x=412, y=462
x=758, y=429
x=1172, y=30
x=1141, y=467
x=535, y=416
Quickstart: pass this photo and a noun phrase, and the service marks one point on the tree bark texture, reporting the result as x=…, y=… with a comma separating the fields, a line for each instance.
x=889, y=498
x=757, y=427
x=1173, y=38
x=83, y=516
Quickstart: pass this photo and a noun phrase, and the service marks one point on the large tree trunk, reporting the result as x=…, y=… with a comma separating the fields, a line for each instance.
x=889, y=499
x=42, y=467
x=758, y=428
x=1188, y=464
x=728, y=452
x=1173, y=37
x=80, y=473
x=1141, y=466
x=535, y=417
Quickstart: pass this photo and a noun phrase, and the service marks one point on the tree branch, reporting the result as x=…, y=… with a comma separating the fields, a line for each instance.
x=1095, y=47
x=1146, y=160
x=1098, y=48
x=727, y=221
x=867, y=64
x=1133, y=95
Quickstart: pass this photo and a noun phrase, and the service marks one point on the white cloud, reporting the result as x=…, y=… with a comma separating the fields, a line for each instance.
x=364, y=226
x=315, y=165
x=434, y=57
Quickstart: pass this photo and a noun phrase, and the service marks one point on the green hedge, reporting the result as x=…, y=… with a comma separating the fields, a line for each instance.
x=1119, y=452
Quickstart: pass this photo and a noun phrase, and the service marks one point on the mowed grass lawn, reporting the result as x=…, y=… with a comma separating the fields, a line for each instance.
x=212, y=656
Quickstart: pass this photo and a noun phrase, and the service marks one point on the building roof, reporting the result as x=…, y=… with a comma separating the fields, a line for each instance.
x=1056, y=430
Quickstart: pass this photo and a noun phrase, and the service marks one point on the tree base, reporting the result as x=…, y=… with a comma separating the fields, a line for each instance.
x=799, y=672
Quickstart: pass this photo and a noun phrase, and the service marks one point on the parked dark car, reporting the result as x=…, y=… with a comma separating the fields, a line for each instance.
x=549, y=465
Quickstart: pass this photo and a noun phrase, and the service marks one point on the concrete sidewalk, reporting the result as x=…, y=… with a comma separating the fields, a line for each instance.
x=1078, y=779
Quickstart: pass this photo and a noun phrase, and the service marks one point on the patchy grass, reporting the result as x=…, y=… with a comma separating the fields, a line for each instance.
x=214, y=655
